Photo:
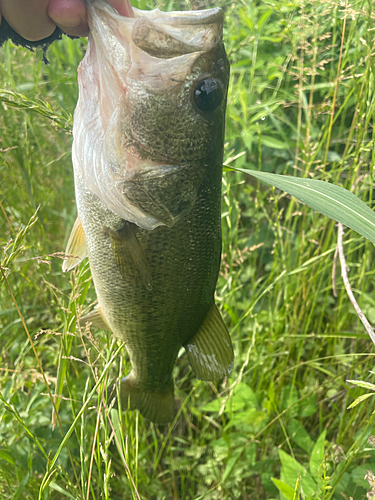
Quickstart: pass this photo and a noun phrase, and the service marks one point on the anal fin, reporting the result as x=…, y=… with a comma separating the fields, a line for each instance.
x=76, y=247
x=129, y=255
x=96, y=318
x=210, y=351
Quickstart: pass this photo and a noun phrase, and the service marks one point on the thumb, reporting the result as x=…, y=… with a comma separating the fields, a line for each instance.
x=69, y=16
x=123, y=7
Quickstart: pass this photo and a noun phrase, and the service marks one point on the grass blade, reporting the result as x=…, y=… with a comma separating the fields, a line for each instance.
x=72, y=427
x=333, y=201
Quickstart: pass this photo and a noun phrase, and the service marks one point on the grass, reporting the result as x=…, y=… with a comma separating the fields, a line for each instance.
x=301, y=103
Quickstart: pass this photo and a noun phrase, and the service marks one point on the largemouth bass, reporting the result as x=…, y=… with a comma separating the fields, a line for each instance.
x=147, y=155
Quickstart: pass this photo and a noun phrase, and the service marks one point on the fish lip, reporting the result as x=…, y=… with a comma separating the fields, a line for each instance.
x=214, y=15
x=184, y=25
x=180, y=18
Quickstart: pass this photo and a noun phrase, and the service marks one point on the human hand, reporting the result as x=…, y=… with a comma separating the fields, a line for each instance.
x=35, y=20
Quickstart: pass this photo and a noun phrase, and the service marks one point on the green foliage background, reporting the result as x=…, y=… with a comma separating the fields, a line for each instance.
x=301, y=103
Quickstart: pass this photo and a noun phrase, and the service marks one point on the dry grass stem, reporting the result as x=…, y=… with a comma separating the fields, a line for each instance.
x=348, y=288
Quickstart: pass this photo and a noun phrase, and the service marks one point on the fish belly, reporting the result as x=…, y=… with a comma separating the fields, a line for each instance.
x=184, y=264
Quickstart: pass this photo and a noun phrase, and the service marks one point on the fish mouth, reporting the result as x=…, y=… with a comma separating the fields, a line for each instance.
x=141, y=46
x=147, y=47
x=161, y=34
x=155, y=50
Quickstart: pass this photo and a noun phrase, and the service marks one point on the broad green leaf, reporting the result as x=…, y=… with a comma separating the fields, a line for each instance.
x=285, y=489
x=288, y=399
x=317, y=456
x=299, y=434
x=291, y=470
x=231, y=464
x=249, y=417
x=271, y=142
x=244, y=393
x=331, y=200
x=243, y=396
x=332, y=156
x=358, y=474
x=264, y=17
x=308, y=406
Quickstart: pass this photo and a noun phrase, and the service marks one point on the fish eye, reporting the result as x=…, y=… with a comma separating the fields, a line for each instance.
x=208, y=95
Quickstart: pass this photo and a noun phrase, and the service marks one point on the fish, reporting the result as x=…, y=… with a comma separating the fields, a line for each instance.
x=148, y=140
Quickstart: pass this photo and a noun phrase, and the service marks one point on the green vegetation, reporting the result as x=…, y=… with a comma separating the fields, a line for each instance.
x=301, y=103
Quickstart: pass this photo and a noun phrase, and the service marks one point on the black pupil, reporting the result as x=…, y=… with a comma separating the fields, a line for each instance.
x=208, y=95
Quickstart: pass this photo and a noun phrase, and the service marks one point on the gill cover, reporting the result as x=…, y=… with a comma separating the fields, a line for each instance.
x=152, y=50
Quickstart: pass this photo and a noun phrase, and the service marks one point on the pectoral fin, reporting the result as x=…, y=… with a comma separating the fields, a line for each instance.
x=210, y=351
x=129, y=255
x=76, y=247
x=96, y=318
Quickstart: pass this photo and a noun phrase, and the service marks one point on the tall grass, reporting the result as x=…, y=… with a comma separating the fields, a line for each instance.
x=301, y=103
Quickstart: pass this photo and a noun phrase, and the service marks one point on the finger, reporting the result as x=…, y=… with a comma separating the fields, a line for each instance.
x=123, y=7
x=70, y=16
x=28, y=18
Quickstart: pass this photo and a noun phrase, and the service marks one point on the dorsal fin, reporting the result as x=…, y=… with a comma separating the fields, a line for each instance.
x=210, y=351
x=76, y=247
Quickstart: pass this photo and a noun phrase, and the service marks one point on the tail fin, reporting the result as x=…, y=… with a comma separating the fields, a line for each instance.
x=158, y=406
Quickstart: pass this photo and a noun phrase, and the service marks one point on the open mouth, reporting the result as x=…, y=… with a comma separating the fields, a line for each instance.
x=152, y=52
x=159, y=34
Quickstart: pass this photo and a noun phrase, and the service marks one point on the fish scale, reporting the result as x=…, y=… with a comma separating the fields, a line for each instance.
x=147, y=158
